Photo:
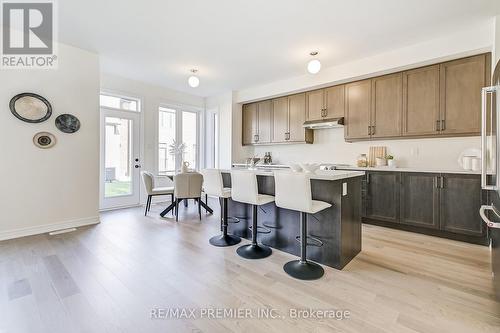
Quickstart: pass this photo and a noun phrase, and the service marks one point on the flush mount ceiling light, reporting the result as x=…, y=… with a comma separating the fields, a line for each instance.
x=193, y=80
x=314, y=65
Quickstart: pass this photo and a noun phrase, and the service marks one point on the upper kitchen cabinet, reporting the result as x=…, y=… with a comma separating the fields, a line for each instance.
x=460, y=94
x=325, y=103
x=421, y=101
x=315, y=103
x=280, y=119
x=296, y=118
x=250, y=123
x=264, y=110
x=358, y=105
x=334, y=102
x=257, y=122
x=387, y=103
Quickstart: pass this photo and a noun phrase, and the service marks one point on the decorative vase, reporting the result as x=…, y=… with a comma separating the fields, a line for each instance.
x=391, y=163
x=185, y=167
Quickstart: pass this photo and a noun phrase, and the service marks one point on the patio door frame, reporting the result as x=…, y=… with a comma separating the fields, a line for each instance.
x=200, y=128
x=133, y=199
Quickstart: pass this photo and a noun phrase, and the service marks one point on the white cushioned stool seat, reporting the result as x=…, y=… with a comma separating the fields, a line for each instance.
x=293, y=191
x=213, y=185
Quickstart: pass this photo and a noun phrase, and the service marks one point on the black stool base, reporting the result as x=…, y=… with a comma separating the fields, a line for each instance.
x=254, y=251
x=227, y=240
x=303, y=271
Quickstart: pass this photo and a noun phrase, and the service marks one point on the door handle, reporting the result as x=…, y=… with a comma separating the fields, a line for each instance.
x=137, y=166
x=485, y=218
x=484, y=163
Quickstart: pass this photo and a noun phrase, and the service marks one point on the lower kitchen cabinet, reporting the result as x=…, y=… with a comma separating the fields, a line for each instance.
x=443, y=205
x=382, y=196
x=460, y=198
x=420, y=199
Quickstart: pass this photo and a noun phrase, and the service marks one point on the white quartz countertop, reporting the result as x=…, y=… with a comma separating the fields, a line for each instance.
x=425, y=170
x=355, y=168
x=319, y=174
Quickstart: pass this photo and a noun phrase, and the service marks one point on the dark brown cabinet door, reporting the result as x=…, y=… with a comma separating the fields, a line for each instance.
x=387, y=103
x=264, y=121
x=461, y=82
x=420, y=199
x=297, y=116
x=280, y=119
x=250, y=125
x=460, y=200
x=315, y=104
x=358, y=96
x=421, y=101
x=334, y=102
x=382, y=196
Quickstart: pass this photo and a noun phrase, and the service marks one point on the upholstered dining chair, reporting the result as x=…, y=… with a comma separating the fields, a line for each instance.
x=153, y=189
x=187, y=186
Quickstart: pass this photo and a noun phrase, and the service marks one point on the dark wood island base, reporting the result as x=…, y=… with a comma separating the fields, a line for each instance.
x=335, y=232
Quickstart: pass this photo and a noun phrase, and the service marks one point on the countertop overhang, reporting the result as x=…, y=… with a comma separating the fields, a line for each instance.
x=319, y=174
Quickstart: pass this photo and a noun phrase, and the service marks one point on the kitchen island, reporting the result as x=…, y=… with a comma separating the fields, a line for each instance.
x=335, y=232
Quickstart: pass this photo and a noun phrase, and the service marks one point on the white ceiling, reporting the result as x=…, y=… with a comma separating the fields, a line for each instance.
x=237, y=44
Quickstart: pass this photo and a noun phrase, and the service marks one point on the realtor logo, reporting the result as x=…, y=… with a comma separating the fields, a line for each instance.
x=28, y=35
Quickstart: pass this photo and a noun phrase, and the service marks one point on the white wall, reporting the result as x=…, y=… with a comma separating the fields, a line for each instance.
x=46, y=190
x=152, y=96
x=329, y=145
x=496, y=51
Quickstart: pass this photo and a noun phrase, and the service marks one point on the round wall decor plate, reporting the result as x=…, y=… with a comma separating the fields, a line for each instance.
x=31, y=108
x=67, y=123
x=44, y=140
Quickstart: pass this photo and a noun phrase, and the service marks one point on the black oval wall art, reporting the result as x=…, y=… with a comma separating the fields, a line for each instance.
x=67, y=123
x=31, y=108
x=44, y=140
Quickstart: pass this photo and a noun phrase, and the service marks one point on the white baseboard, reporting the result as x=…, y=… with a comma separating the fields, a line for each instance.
x=42, y=229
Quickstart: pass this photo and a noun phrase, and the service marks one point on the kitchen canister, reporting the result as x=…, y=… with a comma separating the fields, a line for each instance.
x=467, y=162
x=476, y=164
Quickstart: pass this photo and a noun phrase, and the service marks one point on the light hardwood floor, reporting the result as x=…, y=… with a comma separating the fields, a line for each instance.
x=108, y=278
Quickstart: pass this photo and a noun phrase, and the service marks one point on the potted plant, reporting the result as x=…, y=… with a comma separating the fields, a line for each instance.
x=390, y=161
x=177, y=149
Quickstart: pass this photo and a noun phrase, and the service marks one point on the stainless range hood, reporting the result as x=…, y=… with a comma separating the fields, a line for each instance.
x=324, y=123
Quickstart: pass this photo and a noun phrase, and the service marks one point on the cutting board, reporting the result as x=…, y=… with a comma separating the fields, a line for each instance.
x=376, y=151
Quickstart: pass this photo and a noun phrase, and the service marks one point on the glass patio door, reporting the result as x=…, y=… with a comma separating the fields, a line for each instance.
x=120, y=158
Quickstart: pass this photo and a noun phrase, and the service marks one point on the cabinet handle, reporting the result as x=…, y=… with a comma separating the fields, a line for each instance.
x=441, y=182
x=368, y=178
x=325, y=112
x=438, y=126
x=256, y=138
x=373, y=130
x=443, y=125
x=369, y=130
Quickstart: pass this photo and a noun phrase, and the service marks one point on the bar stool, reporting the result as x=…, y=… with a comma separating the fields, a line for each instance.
x=213, y=186
x=245, y=189
x=287, y=186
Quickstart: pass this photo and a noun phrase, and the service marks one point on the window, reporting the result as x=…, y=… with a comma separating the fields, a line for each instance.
x=190, y=137
x=166, y=137
x=117, y=102
x=178, y=139
x=212, y=139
